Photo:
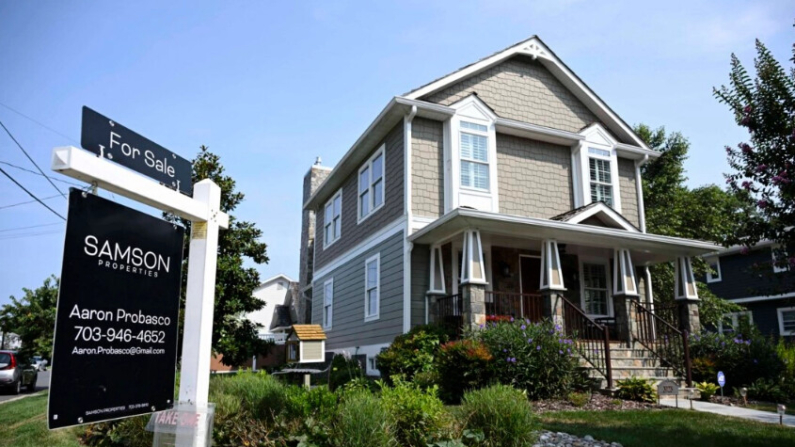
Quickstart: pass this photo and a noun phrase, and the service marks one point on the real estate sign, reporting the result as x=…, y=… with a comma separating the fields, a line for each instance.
x=115, y=345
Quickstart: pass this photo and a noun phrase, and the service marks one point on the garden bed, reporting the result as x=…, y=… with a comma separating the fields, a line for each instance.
x=596, y=402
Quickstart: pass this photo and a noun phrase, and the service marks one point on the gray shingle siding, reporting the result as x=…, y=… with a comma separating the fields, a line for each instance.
x=420, y=277
x=524, y=90
x=534, y=177
x=352, y=232
x=427, y=167
x=348, y=325
x=740, y=280
x=628, y=190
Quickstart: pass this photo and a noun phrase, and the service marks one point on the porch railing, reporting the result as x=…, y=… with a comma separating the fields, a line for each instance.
x=517, y=305
x=668, y=343
x=448, y=311
x=668, y=312
x=591, y=339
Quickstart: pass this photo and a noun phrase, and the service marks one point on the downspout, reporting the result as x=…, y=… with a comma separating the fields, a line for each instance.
x=407, y=246
x=639, y=189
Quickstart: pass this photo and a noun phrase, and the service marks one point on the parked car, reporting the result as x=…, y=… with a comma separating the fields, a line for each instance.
x=17, y=371
x=40, y=363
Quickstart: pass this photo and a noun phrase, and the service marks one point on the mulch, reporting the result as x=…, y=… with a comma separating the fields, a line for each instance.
x=597, y=402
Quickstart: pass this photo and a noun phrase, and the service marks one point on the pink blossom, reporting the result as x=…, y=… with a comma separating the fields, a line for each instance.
x=761, y=167
x=747, y=185
x=747, y=109
x=744, y=250
x=762, y=203
x=747, y=149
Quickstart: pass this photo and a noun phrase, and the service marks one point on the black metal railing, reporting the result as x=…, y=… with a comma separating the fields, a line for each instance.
x=517, y=305
x=448, y=311
x=669, y=344
x=668, y=311
x=591, y=339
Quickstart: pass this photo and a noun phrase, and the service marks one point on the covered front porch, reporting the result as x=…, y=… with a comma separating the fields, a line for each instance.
x=586, y=270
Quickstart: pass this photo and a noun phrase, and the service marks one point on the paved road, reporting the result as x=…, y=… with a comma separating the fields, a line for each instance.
x=42, y=384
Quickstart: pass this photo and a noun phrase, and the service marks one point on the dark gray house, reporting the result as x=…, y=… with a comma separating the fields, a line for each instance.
x=752, y=279
x=505, y=188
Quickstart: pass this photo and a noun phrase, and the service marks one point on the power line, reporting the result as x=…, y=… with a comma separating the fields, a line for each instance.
x=20, y=236
x=31, y=159
x=30, y=171
x=27, y=202
x=31, y=226
x=39, y=123
x=30, y=193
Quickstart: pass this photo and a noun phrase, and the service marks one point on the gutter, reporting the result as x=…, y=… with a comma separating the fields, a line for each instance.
x=407, y=199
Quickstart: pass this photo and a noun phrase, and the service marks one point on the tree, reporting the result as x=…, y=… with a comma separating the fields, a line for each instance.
x=672, y=209
x=32, y=318
x=764, y=167
x=234, y=336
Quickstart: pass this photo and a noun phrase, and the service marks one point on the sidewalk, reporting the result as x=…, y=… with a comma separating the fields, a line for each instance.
x=739, y=412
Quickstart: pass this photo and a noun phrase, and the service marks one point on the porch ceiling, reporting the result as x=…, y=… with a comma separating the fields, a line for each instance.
x=647, y=248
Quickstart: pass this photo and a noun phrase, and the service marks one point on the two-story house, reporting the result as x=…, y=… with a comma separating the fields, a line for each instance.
x=752, y=278
x=507, y=187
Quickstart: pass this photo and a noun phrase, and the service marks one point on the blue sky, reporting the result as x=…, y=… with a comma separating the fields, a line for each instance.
x=269, y=86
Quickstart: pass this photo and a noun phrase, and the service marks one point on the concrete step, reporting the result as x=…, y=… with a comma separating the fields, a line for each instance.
x=631, y=362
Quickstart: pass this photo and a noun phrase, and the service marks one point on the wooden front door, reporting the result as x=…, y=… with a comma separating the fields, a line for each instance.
x=531, y=274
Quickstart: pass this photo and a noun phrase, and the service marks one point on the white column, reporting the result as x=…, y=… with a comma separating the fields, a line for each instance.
x=473, y=269
x=551, y=270
x=437, y=271
x=199, y=306
x=685, y=283
x=624, y=274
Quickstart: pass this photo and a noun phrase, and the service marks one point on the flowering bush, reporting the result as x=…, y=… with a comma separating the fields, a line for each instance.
x=743, y=358
x=464, y=365
x=536, y=357
x=412, y=353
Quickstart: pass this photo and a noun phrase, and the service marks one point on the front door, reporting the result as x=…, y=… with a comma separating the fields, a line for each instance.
x=531, y=274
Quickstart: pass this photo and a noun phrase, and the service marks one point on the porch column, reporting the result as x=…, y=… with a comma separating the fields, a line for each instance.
x=686, y=295
x=437, y=284
x=473, y=280
x=551, y=286
x=625, y=291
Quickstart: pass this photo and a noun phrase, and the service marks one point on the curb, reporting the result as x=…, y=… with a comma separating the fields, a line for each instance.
x=22, y=397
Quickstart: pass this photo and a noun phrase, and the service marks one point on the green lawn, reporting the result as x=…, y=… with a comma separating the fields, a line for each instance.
x=773, y=408
x=23, y=423
x=663, y=428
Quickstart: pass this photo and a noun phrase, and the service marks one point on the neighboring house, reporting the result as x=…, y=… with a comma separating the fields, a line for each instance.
x=10, y=341
x=277, y=315
x=507, y=187
x=750, y=278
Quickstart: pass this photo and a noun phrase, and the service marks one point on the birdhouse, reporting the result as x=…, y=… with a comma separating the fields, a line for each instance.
x=306, y=343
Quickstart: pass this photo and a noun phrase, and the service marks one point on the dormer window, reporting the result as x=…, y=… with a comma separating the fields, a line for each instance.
x=601, y=177
x=371, y=185
x=474, y=156
x=595, y=169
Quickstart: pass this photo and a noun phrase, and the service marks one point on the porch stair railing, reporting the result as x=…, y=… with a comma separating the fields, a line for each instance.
x=667, y=311
x=664, y=340
x=591, y=339
x=517, y=305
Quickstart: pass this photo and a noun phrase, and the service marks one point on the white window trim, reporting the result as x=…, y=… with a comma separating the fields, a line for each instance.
x=598, y=138
x=328, y=324
x=777, y=269
x=710, y=277
x=735, y=316
x=473, y=110
x=606, y=264
x=326, y=243
x=461, y=159
x=375, y=316
x=780, y=312
x=369, y=164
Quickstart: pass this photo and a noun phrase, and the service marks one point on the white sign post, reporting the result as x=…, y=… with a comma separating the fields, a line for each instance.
x=203, y=210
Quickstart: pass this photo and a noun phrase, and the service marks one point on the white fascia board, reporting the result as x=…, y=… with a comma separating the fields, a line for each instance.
x=389, y=117
x=635, y=152
x=753, y=299
x=602, y=208
x=536, y=132
x=87, y=167
x=734, y=249
x=273, y=278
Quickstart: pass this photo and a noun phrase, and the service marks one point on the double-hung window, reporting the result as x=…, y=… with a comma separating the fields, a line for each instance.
x=595, y=292
x=474, y=156
x=328, y=303
x=786, y=321
x=372, y=287
x=731, y=322
x=713, y=273
x=371, y=185
x=332, y=219
x=600, y=175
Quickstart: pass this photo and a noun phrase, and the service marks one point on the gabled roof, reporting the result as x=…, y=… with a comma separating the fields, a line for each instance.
x=273, y=279
x=535, y=48
x=598, y=210
x=309, y=332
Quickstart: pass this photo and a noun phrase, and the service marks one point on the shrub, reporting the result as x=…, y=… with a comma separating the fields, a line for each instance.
x=502, y=413
x=707, y=389
x=637, y=389
x=465, y=365
x=361, y=421
x=535, y=357
x=343, y=370
x=579, y=399
x=418, y=414
x=412, y=353
x=126, y=432
x=744, y=357
x=766, y=390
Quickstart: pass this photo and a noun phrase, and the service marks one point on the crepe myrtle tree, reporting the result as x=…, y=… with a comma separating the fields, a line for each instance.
x=763, y=168
x=234, y=336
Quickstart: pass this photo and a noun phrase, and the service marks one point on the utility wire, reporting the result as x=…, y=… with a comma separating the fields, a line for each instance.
x=30, y=193
x=31, y=226
x=27, y=202
x=31, y=159
x=37, y=173
x=20, y=236
x=39, y=123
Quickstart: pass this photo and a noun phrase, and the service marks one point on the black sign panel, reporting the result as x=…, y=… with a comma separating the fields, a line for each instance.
x=115, y=347
x=111, y=140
